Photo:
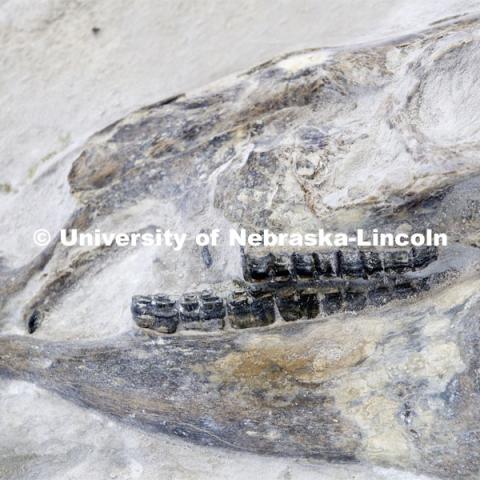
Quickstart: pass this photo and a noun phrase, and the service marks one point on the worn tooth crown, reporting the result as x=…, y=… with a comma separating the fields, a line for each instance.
x=301, y=285
x=303, y=265
x=189, y=303
x=397, y=260
x=189, y=309
x=372, y=261
x=351, y=263
x=204, y=311
x=212, y=308
x=156, y=311
x=326, y=263
x=248, y=311
x=294, y=305
x=259, y=268
x=346, y=263
x=281, y=267
x=262, y=313
x=332, y=302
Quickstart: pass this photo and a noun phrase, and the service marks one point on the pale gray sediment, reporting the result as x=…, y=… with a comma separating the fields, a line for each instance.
x=347, y=138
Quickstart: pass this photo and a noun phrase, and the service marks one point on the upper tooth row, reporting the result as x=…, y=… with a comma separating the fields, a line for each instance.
x=353, y=263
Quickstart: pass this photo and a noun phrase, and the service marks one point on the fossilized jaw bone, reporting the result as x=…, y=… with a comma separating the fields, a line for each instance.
x=155, y=385
x=273, y=149
x=279, y=147
x=310, y=389
x=300, y=286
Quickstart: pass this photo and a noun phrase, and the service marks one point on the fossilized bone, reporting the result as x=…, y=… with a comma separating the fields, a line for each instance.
x=347, y=138
x=301, y=286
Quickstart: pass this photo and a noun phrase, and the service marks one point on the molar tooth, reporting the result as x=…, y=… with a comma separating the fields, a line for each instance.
x=157, y=312
x=397, y=260
x=189, y=309
x=326, y=263
x=294, y=304
x=332, y=302
x=204, y=311
x=310, y=304
x=281, y=268
x=189, y=302
x=258, y=268
x=239, y=309
x=141, y=304
x=372, y=261
x=289, y=305
x=303, y=265
x=246, y=311
x=263, y=310
x=351, y=263
x=166, y=314
x=142, y=311
x=404, y=288
x=212, y=311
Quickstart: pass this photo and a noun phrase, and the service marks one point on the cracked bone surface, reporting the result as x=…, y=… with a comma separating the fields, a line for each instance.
x=383, y=135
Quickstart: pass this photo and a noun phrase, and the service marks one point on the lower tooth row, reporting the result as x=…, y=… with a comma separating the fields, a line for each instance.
x=244, y=309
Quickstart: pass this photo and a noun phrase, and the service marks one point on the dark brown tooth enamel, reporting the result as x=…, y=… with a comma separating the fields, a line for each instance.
x=263, y=310
x=157, y=312
x=289, y=306
x=189, y=306
x=212, y=311
x=300, y=285
x=258, y=268
x=326, y=263
x=246, y=311
x=397, y=260
x=310, y=304
x=238, y=307
x=204, y=311
x=281, y=268
x=294, y=305
x=303, y=265
x=332, y=302
x=351, y=263
x=372, y=262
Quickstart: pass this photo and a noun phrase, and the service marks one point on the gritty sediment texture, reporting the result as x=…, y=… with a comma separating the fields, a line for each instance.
x=382, y=136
